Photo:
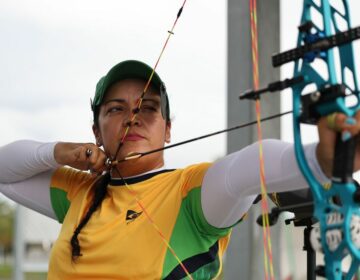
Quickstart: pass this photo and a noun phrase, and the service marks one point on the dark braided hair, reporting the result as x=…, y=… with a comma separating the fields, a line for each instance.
x=99, y=195
x=100, y=192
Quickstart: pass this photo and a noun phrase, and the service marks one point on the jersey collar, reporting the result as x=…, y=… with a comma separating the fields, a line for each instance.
x=138, y=178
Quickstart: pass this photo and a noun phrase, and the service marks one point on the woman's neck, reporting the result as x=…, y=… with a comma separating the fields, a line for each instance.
x=135, y=168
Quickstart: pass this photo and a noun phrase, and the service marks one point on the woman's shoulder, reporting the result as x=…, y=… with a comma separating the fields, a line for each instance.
x=69, y=179
x=197, y=168
x=191, y=176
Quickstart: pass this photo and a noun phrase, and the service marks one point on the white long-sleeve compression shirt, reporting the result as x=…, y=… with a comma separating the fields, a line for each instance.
x=233, y=182
x=229, y=187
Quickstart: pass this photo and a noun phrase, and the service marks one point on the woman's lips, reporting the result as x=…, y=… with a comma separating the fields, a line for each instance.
x=133, y=137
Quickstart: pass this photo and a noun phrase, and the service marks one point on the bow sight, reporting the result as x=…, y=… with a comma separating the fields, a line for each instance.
x=337, y=208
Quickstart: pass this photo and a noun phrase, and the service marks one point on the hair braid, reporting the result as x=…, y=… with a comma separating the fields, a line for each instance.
x=99, y=195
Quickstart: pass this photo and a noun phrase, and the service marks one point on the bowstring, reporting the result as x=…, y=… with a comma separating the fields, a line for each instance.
x=268, y=259
x=135, y=112
x=152, y=222
x=138, y=106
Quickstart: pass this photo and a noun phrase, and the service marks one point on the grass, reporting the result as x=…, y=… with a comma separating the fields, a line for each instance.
x=6, y=272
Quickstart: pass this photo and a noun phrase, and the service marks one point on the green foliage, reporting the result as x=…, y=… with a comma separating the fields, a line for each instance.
x=6, y=225
x=6, y=271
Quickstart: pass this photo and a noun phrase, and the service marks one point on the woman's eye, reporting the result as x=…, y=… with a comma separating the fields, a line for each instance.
x=148, y=108
x=115, y=109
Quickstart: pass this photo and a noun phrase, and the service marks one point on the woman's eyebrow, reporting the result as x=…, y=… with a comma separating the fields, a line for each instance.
x=155, y=101
x=118, y=100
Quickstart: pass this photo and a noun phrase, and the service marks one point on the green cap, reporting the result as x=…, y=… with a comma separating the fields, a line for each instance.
x=131, y=69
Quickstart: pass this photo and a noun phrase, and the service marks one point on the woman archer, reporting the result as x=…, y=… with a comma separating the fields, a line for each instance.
x=116, y=221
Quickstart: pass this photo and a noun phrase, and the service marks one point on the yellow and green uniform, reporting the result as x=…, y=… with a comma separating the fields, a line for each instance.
x=119, y=242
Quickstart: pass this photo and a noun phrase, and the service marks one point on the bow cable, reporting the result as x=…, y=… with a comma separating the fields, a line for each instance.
x=138, y=106
x=152, y=222
x=268, y=262
x=128, y=126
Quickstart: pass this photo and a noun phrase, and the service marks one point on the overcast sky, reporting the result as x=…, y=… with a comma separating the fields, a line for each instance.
x=52, y=54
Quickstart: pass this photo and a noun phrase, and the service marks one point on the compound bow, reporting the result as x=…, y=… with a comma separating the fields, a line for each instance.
x=335, y=207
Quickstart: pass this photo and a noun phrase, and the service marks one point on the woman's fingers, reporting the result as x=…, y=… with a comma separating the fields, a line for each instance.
x=347, y=126
x=83, y=156
x=328, y=128
x=96, y=159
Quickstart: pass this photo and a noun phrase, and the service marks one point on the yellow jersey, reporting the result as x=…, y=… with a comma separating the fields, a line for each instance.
x=121, y=242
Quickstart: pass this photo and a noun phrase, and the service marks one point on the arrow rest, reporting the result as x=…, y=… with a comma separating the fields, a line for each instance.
x=314, y=104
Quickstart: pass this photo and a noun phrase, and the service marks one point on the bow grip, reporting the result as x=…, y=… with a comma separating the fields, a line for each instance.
x=343, y=165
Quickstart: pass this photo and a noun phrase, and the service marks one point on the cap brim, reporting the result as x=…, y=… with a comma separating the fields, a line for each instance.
x=130, y=69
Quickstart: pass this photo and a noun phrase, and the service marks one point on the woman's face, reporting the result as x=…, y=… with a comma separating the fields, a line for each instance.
x=149, y=130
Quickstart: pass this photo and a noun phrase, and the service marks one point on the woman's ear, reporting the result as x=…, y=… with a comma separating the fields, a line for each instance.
x=168, y=132
x=97, y=135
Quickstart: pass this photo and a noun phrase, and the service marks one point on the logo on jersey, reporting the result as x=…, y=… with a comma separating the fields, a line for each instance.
x=131, y=216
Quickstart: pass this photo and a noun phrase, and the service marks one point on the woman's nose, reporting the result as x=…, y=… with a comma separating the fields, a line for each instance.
x=132, y=118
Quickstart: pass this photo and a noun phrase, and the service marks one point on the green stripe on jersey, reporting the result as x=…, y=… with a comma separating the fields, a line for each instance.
x=192, y=235
x=59, y=203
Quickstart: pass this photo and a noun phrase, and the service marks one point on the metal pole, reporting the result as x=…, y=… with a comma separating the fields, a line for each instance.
x=245, y=252
x=18, y=273
x=310, y=254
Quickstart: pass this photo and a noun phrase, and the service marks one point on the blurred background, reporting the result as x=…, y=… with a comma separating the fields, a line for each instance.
x=52, y=54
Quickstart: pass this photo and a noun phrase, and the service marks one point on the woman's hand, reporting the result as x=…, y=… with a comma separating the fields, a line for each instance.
x=82, y=156
x=328, y=127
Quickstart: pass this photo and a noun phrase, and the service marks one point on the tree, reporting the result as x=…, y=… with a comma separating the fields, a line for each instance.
x=6, y=226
